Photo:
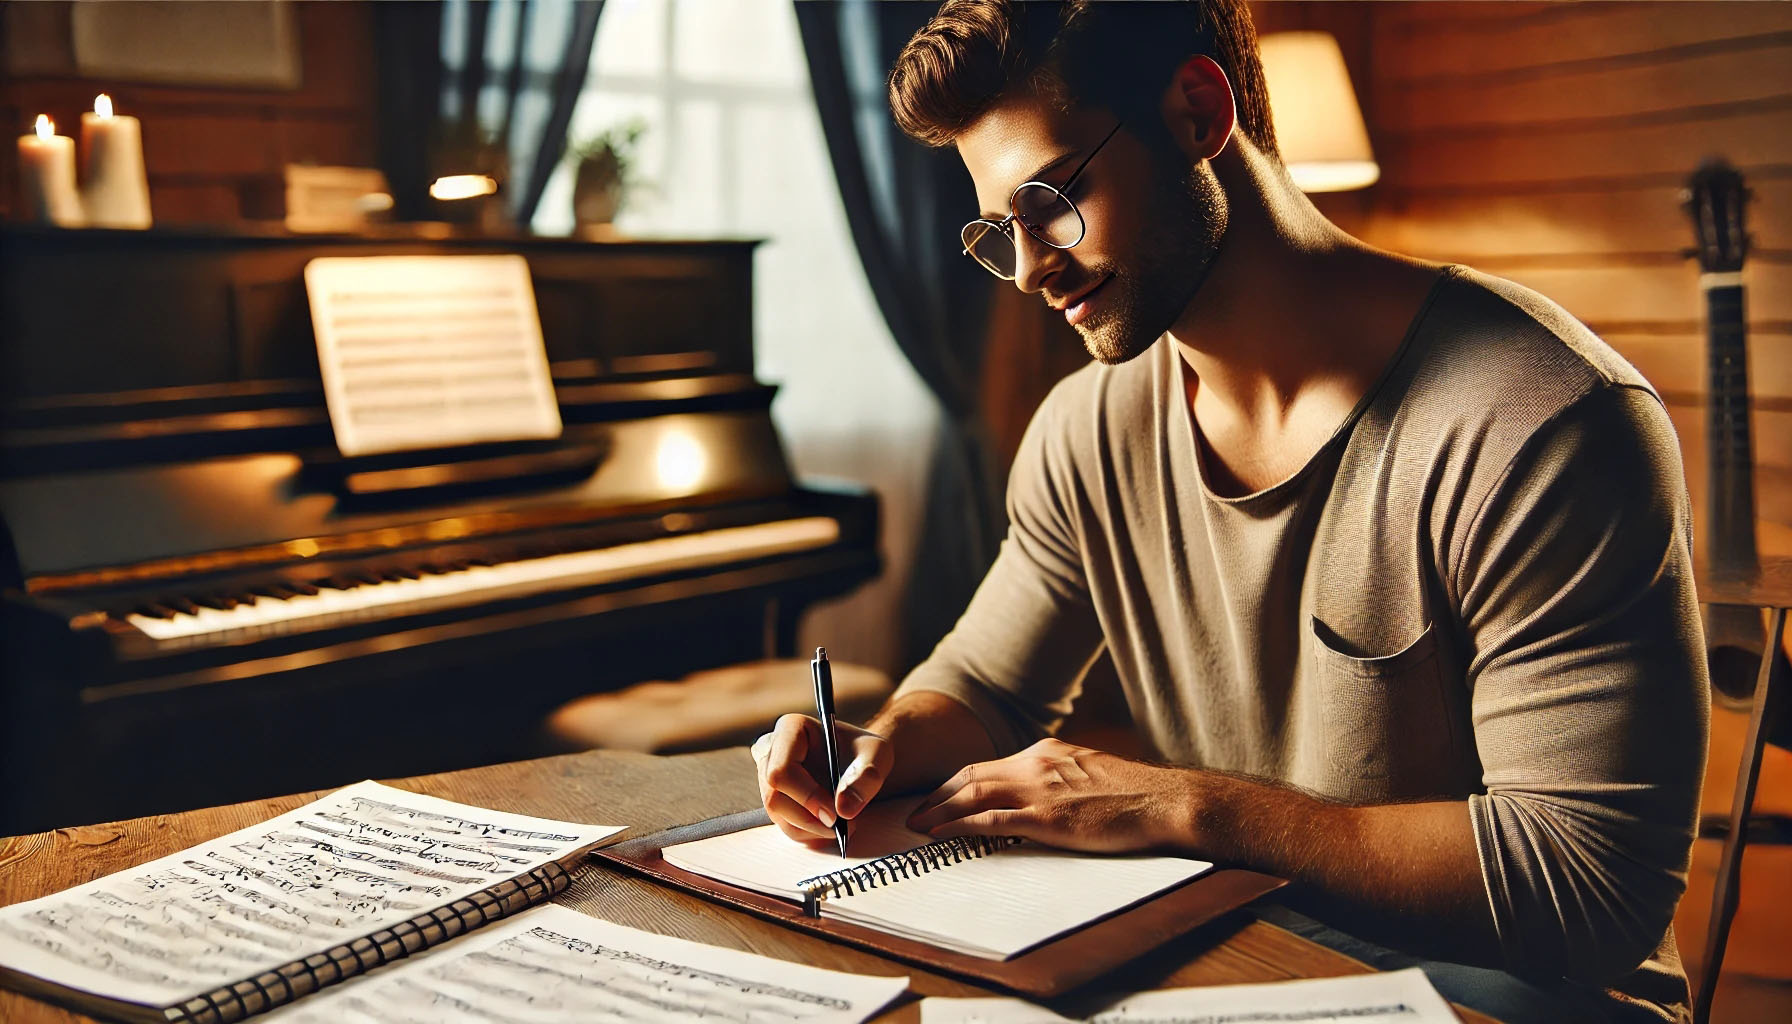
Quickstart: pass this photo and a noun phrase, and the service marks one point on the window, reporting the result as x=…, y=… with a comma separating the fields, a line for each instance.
x=734, y=148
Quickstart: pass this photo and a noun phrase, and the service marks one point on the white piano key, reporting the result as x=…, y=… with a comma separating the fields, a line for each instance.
x=269, y=616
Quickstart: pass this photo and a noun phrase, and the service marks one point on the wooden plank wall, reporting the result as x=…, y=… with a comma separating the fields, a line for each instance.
x=1548, y=143
x=214, y=155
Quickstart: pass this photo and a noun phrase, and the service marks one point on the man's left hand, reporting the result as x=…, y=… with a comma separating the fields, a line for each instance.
x=1066, y=796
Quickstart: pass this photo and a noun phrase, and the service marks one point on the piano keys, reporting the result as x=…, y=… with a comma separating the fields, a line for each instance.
x=203, y=601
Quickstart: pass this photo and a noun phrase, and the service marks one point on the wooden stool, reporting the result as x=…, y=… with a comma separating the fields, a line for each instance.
x=721, y=707
x=1770, y=587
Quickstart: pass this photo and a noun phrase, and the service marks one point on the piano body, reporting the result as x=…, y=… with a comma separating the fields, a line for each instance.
x=204, y=601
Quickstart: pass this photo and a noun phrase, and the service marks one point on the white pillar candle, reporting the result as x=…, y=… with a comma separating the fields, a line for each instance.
x=114, y=190
x=47, y=176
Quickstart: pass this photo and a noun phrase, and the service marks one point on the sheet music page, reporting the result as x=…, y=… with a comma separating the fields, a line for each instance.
x=993, y=906
x=364, y=858
x=552, y=964
x=1397, y=997
x=430, y=351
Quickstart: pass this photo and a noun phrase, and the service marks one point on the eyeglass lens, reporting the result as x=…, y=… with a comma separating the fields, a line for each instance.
x=1045, y=213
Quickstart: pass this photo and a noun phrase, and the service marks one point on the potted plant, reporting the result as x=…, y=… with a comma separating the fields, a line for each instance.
x=602, y=175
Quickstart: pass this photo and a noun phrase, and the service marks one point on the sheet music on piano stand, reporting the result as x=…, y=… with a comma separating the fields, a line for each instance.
x=430, y=351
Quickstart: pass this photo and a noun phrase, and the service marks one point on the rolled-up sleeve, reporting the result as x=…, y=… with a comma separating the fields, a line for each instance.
x=1589, y=692
x=1017, y=656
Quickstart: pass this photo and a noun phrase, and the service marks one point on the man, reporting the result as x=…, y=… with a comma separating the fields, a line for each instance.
x=1392, y=559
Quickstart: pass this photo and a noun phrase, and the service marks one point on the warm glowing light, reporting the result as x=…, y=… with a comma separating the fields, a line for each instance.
x=102, y=105
x=463, y=186
x=46, y=128
x=374, y=202
x=1319, y=127
x=680, y=462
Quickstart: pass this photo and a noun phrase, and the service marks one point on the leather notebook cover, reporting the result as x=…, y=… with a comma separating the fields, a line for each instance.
x=1051, y=969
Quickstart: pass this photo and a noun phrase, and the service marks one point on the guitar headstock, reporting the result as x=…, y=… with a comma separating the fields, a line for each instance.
x=1715, y=198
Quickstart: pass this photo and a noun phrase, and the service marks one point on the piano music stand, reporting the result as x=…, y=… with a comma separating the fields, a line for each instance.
x=1770, y=587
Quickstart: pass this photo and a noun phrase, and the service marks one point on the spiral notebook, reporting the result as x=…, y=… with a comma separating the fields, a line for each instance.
x=983, y=897
x=275, y=911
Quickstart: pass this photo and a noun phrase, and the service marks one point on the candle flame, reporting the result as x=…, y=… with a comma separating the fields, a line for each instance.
x=46, y=128
x=102, y=105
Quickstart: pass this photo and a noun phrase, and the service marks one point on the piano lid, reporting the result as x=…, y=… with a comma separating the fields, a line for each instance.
x=239, y=510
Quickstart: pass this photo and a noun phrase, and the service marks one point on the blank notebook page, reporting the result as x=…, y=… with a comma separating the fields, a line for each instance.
x=993, y=906
x=1010, y=901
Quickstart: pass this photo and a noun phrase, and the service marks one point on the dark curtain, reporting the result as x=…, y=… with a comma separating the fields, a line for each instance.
x=515, y=75
x=408, y=38
x=905, y=204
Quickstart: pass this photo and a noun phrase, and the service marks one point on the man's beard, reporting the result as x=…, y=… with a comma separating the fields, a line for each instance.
x=1144, y=300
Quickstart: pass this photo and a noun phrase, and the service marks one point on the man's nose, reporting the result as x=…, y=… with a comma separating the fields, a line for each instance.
x=1034, y=261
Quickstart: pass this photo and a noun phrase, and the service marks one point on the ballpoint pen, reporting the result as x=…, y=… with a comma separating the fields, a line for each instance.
x=824, y=710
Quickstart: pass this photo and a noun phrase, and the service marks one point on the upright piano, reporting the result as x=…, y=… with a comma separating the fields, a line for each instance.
x=203, y=600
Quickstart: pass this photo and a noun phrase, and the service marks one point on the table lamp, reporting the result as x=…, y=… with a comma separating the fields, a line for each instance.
x=1319, y=127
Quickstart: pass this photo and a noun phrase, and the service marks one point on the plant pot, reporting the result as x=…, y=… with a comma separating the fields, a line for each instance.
x=596, y=191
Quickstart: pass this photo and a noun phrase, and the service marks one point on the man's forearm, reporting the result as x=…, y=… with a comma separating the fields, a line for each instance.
x=932, y=736
x=1409, y=870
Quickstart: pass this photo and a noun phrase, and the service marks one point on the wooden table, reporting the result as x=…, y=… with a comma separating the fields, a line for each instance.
x=648, y=793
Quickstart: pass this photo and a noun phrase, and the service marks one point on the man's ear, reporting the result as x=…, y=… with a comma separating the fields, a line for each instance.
x=1198, y=108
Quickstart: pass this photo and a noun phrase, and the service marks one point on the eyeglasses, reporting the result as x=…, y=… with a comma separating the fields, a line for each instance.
x=1046, y=212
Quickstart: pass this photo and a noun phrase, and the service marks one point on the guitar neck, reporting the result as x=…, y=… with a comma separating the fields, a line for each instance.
x=1731, y=498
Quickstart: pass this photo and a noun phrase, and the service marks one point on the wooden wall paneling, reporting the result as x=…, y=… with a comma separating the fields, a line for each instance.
x=1580, y=146
x=1773, y=480
x=1675, y=364
x=220, y=145
x=1756, y=69
x=1644, y=219
x=1618, y=292
x=1475, y=43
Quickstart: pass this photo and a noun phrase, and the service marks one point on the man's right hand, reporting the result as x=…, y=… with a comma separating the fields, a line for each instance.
x=793, y=767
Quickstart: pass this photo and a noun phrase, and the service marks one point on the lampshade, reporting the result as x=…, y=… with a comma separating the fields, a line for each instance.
x=1318, y=124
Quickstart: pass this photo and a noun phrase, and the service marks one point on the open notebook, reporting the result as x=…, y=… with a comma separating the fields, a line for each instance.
x=992, y=899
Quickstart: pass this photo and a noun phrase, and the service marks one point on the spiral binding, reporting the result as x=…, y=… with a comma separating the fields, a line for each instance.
x=301, y=977
x=890, y=869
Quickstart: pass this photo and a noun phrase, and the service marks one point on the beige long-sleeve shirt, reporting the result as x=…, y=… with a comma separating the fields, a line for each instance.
x=1479, y=588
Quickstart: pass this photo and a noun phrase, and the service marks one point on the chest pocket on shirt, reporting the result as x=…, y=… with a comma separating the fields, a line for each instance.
x=1387, y=732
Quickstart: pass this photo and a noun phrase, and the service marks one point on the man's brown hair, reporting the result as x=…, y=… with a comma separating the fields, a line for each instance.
x=1119, y=56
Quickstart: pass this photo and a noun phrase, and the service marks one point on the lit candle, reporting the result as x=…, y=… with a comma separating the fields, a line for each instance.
x=114, y=187
x=47, y=175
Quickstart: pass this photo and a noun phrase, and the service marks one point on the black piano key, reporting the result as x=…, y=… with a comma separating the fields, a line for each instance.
x=335, y=583
x=433, y=568
x=153, y=611
x=300, y=587
x=407, y=573
x=222, y=602
x=393, y=575
x=182, y=605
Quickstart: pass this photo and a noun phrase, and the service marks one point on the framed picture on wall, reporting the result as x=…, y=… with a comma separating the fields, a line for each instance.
x=249, y=43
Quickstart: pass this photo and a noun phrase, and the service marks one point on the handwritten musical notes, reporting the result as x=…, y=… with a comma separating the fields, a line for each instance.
x=430, y=351
x=1397, y=997
x=554, y=964
x=364, y=858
